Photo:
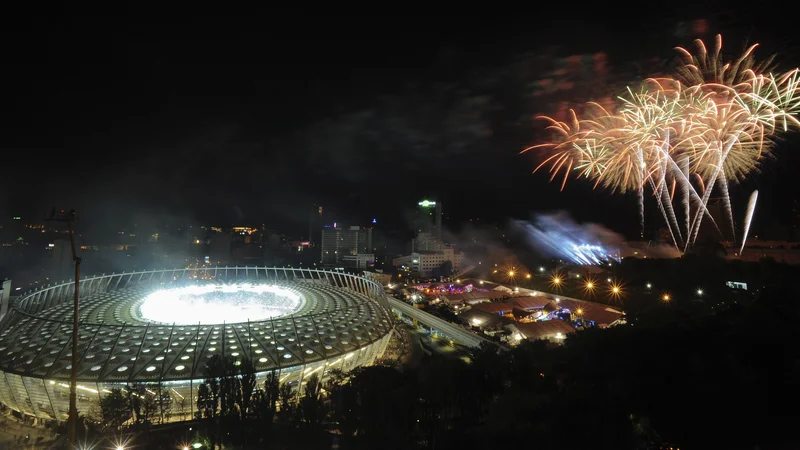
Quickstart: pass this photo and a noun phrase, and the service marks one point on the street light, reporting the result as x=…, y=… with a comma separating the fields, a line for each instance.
x=72, y=418
x=700, y=292
x=665, y=297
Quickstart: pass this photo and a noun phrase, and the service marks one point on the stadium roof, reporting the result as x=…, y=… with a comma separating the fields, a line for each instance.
x=117, y=344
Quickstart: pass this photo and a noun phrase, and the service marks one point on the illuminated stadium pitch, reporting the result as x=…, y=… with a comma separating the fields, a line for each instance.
x=209, y=304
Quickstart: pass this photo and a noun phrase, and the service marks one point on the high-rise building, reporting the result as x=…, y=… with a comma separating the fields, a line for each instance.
x=314, y=225
x=337, y=242
x=428, y=226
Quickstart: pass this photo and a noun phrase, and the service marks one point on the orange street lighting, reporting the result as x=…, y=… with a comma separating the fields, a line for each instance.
x=665, y=297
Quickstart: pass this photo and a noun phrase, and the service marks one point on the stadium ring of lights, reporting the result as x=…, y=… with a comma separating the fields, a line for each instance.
x=336, y=321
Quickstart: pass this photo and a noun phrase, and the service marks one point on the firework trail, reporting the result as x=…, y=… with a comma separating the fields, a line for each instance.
x=712, y=123
x=748, y=217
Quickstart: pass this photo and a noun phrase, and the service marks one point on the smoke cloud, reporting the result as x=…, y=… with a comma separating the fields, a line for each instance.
x=558, y=235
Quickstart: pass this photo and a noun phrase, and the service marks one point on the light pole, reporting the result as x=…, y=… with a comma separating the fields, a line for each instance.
x=72, y=421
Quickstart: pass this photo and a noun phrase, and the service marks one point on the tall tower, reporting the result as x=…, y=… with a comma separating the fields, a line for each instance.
x=426, y=223
x=439, y=221
x=428, y=229
x=314, y=224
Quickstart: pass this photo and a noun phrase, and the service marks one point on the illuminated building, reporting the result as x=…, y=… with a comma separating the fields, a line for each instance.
x=337, y=242
x=159, y=328
x=428, y=226
x=428, y=263
x=359, y=261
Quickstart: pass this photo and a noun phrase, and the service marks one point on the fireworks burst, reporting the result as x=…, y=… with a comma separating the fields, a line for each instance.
x=683, y=138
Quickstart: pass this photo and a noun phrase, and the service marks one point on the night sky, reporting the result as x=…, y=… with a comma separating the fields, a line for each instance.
x=252, y=120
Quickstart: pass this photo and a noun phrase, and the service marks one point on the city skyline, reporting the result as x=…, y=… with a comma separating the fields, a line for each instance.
x=429, y=116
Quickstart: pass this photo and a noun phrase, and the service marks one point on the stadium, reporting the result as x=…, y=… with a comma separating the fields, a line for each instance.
x=161, y=326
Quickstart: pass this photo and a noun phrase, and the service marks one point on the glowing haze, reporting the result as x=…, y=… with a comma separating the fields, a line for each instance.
x=213, y=304
x=558, y=236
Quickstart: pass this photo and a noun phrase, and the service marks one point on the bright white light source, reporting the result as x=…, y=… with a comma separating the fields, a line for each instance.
x=213, y=303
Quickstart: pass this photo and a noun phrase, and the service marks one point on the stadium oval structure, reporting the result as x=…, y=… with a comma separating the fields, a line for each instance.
x=323, y=320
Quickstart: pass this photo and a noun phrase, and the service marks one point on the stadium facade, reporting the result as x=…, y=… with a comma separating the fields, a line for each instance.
x=323, y=320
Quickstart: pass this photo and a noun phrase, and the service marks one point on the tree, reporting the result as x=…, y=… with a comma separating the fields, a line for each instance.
x=311, y=402
x=287, y=397
x=206, y=403
x=446, y=268
x=182, y=402
x=222, y=380
x=164, y=402
x=272, y=390
x=264, y=401
x=135, y=394
x=149, y=407
x=248, y=384
x=115, y=409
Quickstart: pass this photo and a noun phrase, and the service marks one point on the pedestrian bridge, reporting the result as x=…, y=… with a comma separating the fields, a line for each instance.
x=440, y=326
